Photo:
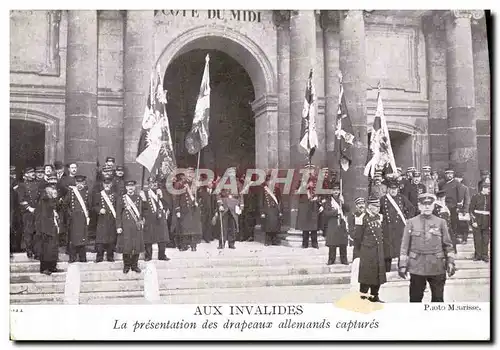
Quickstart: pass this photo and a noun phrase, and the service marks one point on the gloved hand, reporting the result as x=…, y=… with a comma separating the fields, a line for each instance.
x=402, y=272
x=451, y=269
x=102, y=211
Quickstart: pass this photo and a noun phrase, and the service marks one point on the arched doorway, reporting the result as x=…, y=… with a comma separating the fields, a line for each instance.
x=27, y=144
x=232, y=123
x=402, y=147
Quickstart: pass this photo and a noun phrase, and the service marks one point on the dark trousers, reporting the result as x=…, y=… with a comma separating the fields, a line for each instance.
x=417, y=287
x=130, y=260
x=271, y=238
x=79, y=251
x=48, y=265
x=148, y=254
x=454, y=219
x=374, y=288
x=388, y=264
x=332, y=253
x=481, y=242
x=100, y=248
x=314, y=238
x=462, y=230
x=187, y=241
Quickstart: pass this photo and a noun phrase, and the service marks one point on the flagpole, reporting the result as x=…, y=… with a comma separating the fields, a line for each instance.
x=340, y=158
x=196, y=175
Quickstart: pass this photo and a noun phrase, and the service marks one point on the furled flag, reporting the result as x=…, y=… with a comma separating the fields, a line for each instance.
x=380, y=150
x=344, y=133
x=308, y=135
x=197, y=138
x=155, y=149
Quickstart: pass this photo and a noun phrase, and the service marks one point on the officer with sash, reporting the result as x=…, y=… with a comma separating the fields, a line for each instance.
x=156, y=230
x=480, y=213
x=104, y=207
x=335, y=213
x=426, y=252
x=271, y=212
x=77, y=204
x=28, y=193
x=370, y=245
x=229, y=209
x=308, y=211
x=396, y=210
x=130, y=225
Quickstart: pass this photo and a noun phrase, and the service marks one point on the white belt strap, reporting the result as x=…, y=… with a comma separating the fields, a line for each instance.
x=81, y=201
x=398, y=210
x=108, y=202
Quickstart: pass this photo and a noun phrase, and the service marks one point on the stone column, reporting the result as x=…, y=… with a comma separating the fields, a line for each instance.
x=353, y=67
x=330, y=25
x=482, y=80
x=137, y=67
x=81, y=91
x=461, y=102
x=435, y=45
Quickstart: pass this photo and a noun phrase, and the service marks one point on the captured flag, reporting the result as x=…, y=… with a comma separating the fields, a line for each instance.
x=197, y=138
x=308, y=135
x=380, y=151
x=155, y=149
x=344, y=133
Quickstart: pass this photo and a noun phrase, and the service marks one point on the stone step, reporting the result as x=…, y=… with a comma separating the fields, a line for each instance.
x=169, y=271
x=477, y=290
x=135, y=282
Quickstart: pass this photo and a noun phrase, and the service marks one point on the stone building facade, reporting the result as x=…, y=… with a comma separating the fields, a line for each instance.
x=79, y=80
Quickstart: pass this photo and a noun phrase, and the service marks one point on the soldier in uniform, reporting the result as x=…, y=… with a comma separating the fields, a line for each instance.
x=271, y=211
x=103, y=205
x=118, y=180
x=378, y=189
x=307, y=216
x=129, y=226
x=414, y=189
x=430, y=184
x=335, y=214
x=156, y=230
x=322, y=221
x=442, y=212
x=28, y=198
x=485, y=176
x=47, y=226
x=229, y=209
x=406, y=180
x=15, y=215
x=481, y=221
x=188, y=213
x=426, y=252
x=355, y=222
x=40, y=174
x=77, y=204
x=369, y=244
x=450, y=186
x=396, y=209
x=206, y=208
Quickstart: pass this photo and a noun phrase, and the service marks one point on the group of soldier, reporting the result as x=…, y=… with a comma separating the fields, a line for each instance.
x=418, y=218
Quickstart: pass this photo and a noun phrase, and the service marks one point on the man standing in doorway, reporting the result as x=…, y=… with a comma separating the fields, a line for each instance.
x=28, y=198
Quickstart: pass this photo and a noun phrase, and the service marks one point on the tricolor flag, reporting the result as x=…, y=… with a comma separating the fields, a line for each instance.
x=155, y=149
x=344, y=133
x=380, y=150
x=308, y=136
x=197, y=138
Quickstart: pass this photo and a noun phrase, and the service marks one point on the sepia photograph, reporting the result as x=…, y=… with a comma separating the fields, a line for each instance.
x=250, y=174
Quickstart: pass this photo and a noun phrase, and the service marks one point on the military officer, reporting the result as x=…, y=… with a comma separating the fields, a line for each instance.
x=118, y=180
x=463, y=201
x=15, y=213
x=378, y=188
x=156, y=230
x=442, y=212
x=28, y=198
x=426, y=252
x=355, y=222
x=129, y=226
x=271, y=211
x=430, y=184
x=480, y=214
x=369, y=243
x=206, y=207
x=308, y=211
x=406, y=180
x=335, y=213
x=322, y=221
x=396, y=209
x=47, y=224
x=40, y=174
x=485, y=175
x=414, y=189
x=450, y=186
x=77, y=204
x=188, y=214
x=104, y=207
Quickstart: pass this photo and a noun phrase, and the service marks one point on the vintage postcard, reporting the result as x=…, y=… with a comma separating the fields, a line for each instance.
x=250, y=174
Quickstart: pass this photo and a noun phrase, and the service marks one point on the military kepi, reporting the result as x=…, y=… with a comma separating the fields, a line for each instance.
x=130, y=183
x=426, y=198
x=80, y=178
x=359, y=200
x=374, y=201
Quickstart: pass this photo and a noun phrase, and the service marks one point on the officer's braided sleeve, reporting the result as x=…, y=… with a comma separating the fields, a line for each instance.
x=448, y=248
x=405, y=245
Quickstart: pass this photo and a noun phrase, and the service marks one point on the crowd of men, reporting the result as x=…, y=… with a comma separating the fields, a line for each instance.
x=53, y=206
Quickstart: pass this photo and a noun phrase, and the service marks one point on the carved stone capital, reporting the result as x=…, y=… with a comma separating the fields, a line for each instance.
x=475, y=14
x=281, y=18
x=329, y=20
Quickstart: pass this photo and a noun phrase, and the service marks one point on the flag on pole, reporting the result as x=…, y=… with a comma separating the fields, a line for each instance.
x=308, y=135
x=380, y=152
x=344, y=133
x=197, y=138
x=155, y=148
